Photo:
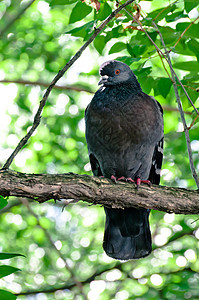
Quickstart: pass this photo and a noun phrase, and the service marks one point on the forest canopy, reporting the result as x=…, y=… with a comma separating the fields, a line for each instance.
x=62, y=249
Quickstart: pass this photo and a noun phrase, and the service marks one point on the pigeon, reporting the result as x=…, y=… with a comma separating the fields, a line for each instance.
x=124, y=134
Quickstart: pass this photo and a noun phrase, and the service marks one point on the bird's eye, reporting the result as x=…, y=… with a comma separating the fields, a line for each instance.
x=117, y=72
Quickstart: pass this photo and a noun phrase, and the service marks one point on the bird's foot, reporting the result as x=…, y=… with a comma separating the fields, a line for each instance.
x=122, y=178
x=113, y=178
x=139, y=181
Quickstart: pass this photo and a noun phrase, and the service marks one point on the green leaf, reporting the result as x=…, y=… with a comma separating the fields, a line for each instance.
x=130, y=50
x=164, y=85
x=190, y=4
x=82, y=31
x=7, y=270
x=147, y=83
x=176, y=16
x=127, y=59
x=182, y=48
x=193, y=95
x=61, y=2
x=5, y=295
x=192, y=66
x=9, y=255
x=117, y=47
x=99, y=43
x=141, y=39
x=169, y=35
x=161, y=13
x=195, y=116
x=116, y=32
x=79, y=12
x=3, y=202
x=194, y=47
x=143, y=72
x=137, y=50
x=191, y=32
x=104, y=12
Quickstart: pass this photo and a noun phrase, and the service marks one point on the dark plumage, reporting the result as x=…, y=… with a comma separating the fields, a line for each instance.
x=124, y=132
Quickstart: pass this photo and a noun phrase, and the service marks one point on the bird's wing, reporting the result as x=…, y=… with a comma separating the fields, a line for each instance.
x=95, y=166
x=154, y=175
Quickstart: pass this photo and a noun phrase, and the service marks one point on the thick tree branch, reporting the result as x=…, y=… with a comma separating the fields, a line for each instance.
x=37, y=117
x=43, y=187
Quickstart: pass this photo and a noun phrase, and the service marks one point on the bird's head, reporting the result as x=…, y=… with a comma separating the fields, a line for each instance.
x=114, y=72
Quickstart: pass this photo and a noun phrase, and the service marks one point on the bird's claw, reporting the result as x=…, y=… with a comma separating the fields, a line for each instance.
x=122, y=178
x=113, y=178
x=147, y=182
x=129, y=179
x=138, y=181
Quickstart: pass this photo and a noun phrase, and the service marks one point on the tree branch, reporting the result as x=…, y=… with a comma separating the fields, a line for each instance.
x=16, y=17
x=37, y=117
x=186, y=129
x=59, y=87
x=81, y=89
x=95, y=190
x=185, y=31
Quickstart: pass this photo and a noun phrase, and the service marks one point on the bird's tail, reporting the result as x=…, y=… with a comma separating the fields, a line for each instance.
x=127, y=233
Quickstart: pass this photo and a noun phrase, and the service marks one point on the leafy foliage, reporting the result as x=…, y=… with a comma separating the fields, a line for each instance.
x=6, y=270
x=3, y=202
x=34, y=48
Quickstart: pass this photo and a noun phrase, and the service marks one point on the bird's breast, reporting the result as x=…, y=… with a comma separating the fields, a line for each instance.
x=120, y=124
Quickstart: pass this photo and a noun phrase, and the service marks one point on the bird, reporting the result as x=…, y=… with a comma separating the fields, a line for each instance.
x=125, y=134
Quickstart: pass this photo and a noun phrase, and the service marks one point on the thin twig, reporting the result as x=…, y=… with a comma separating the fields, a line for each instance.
x=37, y=117
x=164, y=66
x=186, y=129
x=13, y=20
x=164, y=9
x=39, y=83
x=175, y=109
x=79, y=89
x=185, y=31
x=74, y=88
x=193, y=122
x=77, y=283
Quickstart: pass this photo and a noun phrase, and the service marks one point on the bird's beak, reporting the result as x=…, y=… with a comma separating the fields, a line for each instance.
x=104, y=79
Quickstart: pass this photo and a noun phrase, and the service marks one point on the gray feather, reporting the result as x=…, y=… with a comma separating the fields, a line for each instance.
x=124, y=132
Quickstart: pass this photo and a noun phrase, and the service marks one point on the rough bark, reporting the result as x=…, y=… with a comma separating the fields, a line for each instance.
x=43, y=187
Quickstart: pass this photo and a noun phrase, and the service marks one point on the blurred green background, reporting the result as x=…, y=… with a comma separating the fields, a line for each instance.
x=37, y=39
